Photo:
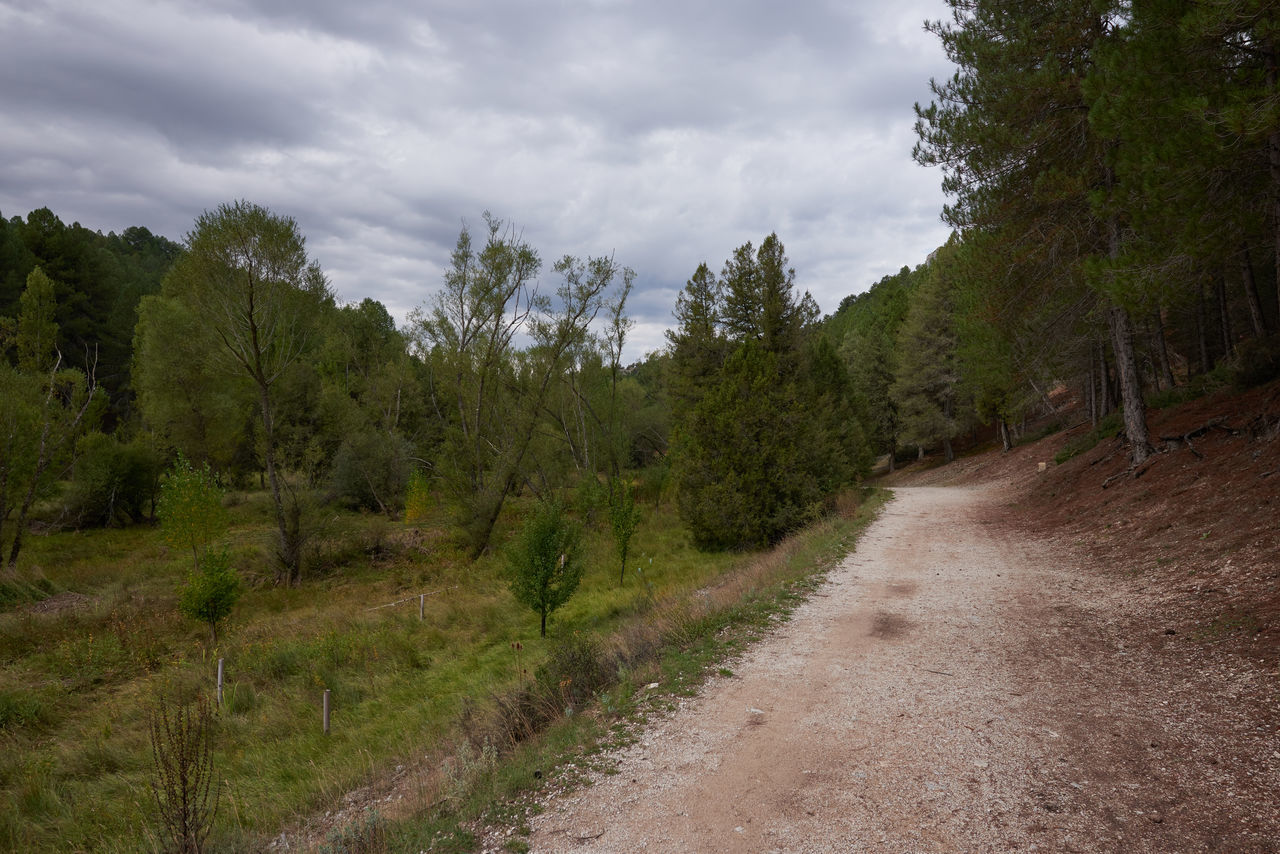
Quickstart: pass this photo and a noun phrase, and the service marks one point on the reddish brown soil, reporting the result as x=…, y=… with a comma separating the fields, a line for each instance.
x=1194, y=532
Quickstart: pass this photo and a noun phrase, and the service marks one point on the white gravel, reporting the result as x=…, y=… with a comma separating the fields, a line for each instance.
x=955, y=686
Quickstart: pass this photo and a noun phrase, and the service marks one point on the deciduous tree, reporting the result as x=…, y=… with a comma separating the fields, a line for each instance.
x=247, y=278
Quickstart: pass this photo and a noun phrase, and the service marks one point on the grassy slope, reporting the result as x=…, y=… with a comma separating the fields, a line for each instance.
x=78, y=674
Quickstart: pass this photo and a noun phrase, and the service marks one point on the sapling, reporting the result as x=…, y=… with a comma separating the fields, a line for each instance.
x=191, y=516
x=543, y=563
x=624, y=516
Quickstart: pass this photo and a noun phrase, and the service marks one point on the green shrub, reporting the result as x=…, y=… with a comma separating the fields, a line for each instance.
x=191, y=511
x=371, y=471
x=543, y=564
x=577, y=669
x=589, y=498
x=211, y=591
x=114, y=483
x=624, y=517
x=417, y=499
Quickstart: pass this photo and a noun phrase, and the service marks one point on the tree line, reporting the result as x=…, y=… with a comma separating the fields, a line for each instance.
x=1113, y=170
x=230, y=354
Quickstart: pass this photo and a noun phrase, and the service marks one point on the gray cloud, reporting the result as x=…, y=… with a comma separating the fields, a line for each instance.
x=663, y=133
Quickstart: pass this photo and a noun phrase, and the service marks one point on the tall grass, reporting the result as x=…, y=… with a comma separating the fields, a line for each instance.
x=75, y=682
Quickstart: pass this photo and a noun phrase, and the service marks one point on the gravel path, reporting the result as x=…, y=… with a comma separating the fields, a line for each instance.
x=953, y=687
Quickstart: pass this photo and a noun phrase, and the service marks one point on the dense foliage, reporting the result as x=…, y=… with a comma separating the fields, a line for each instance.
x=762, y=431
x=1114, y=175
x=544, y=562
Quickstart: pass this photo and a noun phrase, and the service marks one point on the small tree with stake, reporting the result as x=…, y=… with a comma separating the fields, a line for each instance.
x=543, y=564
x=191, y=516
x=624, y=516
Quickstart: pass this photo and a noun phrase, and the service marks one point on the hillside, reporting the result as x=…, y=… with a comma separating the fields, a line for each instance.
x=1192, y=535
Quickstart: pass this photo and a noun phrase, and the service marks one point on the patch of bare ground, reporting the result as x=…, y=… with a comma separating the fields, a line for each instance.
x=1193, y=534
x=1168, y=638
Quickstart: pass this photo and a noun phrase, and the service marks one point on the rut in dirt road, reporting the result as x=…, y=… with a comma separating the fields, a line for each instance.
x=951, y=688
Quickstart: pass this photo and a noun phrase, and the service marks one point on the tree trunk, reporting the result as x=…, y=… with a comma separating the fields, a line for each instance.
x=1202, y=327
x=1251, y=294
x=1005, y=442
x=1162, y=350
x=1135, y=414
x=1273, y=160
x=1149, y=355
x=290, y=570
x=1224, y=316
x=947, y=453
x=893, y=452
x=1104, y=378
x=1088, y=396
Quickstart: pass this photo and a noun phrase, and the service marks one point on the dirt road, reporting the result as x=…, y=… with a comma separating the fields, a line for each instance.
x=954, y=686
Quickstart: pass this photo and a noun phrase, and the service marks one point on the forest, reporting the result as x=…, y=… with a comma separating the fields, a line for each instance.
x=130, y=354
x=1114, y=176
x=1115, y=171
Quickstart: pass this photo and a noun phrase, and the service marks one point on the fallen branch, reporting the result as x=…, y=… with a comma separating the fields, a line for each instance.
x=1106, y=483
x=1211, y=424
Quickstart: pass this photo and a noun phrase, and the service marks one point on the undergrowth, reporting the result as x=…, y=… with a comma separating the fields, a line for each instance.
x=75, y=681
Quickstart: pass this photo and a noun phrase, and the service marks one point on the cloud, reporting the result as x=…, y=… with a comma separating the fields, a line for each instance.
x=662, y=133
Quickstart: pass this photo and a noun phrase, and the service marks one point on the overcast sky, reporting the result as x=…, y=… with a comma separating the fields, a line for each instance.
x=664, y=133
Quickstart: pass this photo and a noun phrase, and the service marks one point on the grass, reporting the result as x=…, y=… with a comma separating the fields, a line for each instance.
x=695, y=637
x=76, y=685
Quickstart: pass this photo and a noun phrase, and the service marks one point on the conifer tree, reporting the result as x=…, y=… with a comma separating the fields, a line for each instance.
x=762, y=431
x=1011, y=131
x=926, y=385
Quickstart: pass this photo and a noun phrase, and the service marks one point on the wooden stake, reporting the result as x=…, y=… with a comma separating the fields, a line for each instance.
x=422, y=605
x=326, y=711
x=219, y=683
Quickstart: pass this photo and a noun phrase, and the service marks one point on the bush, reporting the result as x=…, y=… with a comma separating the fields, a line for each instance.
x=417, y=499
x=211, y=592
x=114, y=483
x=589, y=498
x=578, y=668
x=1256, y=363
x=371, y=471
x=624, y=517
x=191, y=512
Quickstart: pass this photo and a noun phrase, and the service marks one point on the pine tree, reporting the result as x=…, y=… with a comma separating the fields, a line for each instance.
x=926, y=385
x=1011, y=131
x=763, y=431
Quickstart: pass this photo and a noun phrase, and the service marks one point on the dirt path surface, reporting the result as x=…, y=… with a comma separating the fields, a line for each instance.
x=955, y=686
